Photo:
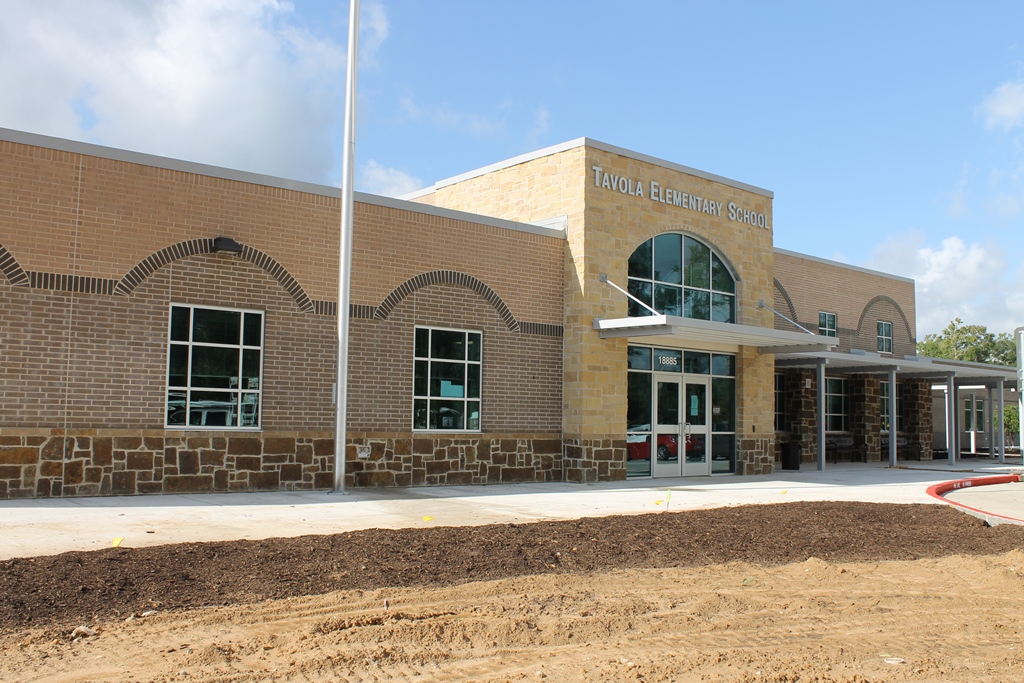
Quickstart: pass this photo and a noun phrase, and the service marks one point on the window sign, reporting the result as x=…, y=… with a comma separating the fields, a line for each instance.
x=668, y=360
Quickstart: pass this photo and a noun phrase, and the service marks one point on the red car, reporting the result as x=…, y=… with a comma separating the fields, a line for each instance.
x=638, y=446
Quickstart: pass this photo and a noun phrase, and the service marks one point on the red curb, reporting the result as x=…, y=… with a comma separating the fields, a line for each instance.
x=940, y=490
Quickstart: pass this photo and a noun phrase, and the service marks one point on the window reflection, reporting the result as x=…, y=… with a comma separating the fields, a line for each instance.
x=447, y=382
x=214, y=367
x=681, y=276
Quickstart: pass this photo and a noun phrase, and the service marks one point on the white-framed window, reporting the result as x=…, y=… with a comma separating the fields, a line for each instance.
x=214, y=367
x=446, y=379
x=679, y=275
x=884, y=337
x=827, y=324
x=837, y=404
x=884, y=390
x=974, y=415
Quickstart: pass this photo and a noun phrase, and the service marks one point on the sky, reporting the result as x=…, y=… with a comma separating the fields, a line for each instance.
x=892, y=133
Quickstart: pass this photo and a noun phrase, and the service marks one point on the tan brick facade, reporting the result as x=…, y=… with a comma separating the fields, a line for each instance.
x=605, y=226
x=96, y=245
x=805, y=286
x=95, y=250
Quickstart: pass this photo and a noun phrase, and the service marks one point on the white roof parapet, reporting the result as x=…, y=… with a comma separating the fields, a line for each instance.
x=596, y=144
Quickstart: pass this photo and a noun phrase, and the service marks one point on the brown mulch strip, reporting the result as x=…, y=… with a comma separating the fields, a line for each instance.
x=78, y=587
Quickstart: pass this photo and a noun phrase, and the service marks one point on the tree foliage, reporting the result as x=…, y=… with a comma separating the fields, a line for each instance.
x=1011, y=420
x=972, y=343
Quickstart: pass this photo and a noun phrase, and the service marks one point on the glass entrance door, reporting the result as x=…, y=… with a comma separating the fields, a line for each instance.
x=668, y=426
x=695, y=461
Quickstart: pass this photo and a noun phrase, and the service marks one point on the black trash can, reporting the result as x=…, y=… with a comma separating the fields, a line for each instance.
x=791, y=455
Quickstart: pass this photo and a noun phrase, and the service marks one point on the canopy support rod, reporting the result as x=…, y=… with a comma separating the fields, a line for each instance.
x=762, y=304
x=604, y=279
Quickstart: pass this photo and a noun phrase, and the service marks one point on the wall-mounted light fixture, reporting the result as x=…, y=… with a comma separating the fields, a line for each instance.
x=226, y=244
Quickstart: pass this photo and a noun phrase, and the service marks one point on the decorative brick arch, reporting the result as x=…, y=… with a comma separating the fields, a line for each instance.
x=446, y=277
x=789, y=301
x=149, y=265
x=889, y=300
x=10, y=267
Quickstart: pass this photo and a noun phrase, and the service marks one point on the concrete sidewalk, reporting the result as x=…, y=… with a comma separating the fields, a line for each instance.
x=50, y=526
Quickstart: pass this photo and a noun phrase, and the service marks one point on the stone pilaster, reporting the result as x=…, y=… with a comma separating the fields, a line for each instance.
x=801, y=412
x=866, y=415
x=917, y=407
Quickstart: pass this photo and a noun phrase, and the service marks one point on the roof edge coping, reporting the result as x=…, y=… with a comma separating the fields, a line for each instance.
x=596, y=144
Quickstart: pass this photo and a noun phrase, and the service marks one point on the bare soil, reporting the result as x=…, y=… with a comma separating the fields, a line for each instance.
x=823, y=591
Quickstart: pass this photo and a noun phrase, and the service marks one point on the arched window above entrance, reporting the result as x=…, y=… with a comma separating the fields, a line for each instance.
x=679, y=275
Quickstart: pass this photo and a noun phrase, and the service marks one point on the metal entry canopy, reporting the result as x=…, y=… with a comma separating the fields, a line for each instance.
x=679, y=329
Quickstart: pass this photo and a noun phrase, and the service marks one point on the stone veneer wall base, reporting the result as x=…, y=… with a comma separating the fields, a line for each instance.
x=43, y=463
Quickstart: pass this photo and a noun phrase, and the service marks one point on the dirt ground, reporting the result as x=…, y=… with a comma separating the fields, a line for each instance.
x=796, y=592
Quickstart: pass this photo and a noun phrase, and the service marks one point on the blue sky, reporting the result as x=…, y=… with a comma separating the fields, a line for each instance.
x=891, y=133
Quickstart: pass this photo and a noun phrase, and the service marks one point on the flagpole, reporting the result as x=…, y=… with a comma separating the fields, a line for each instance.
x=345, y=257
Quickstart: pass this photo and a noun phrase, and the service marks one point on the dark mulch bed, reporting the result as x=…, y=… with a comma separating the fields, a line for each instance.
x=76, y=587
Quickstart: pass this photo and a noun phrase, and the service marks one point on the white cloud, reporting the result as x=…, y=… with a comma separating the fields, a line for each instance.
x=1004, y=108
x=444, y=117
x=228, y=82
x=955, y=280
x=374, y=29
x=376, y=178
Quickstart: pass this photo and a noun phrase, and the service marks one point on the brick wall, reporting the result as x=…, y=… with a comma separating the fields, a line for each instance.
x=806, y=286
x=521, y=380
x=93, y=251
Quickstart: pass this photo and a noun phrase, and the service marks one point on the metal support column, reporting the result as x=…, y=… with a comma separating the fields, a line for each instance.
x=821, y=416
x=345, y=251
x=1018, y=339
x=990, y=428
x=893, y=425
x=971, y=417
x=1002, y=428
x=951, y=441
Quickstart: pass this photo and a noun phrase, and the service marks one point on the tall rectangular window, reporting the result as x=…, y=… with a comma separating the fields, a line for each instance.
x=827, y=324
x=446, y=379
x=884, y=337
x=837, y=404
x=885, y=406
x=214, y=367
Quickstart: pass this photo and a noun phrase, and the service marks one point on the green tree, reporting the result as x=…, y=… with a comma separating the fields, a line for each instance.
x=1011, y=423
x=972, y=343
